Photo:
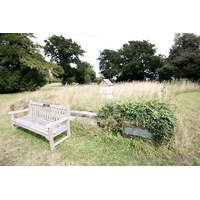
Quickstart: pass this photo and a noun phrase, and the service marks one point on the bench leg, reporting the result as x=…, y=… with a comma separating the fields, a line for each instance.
x=13, y=125
x=68, y=121
x=51, y=141
x=68, y=127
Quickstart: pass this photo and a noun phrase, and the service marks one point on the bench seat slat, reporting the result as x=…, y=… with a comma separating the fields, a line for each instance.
x=39, y=124
x=31, y=128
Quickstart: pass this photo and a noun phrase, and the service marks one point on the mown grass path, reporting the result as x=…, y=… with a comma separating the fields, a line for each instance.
x=188, y=104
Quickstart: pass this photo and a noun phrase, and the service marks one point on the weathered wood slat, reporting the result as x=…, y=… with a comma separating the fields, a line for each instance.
x=51, y=105
x=58, y=133
x=56, y=114
x=33, y=110
x=36, y=103
x=57, y=122
x=32, y=128
x=61, y=140
x=51, y=142
x=54, y=110
x=43, y=123
x=45, y=119
x=35, y=125
x=33, y=121
x=30, y=112
x=19, y=111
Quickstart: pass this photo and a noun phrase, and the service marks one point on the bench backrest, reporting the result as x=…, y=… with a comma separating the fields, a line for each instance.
x=48, y=111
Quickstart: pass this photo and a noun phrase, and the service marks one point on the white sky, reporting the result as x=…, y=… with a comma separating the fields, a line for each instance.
x=93, y=43
x=106, y=24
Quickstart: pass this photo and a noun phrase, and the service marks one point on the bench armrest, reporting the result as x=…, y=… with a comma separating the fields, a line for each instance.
x=18, y=111
x=56, y=122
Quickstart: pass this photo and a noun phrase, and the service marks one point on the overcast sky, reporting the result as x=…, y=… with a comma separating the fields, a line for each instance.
x=93, y=43
x=106, y=24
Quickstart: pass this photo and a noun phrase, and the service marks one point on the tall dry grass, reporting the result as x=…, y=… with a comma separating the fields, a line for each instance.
x=137, y=91
x=150, y=90
x=83, y=97
x=88, y=97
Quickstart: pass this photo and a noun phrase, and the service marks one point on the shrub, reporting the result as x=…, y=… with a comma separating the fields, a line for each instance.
x=99, y=80
x=156, y=116
x=113, y=80
x=19, y=105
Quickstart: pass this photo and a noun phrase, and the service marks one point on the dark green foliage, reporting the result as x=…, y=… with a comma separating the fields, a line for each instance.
x=134, y=61
x=112, y=123
x=20, y=80
x=139, y=61
x=91, y=73
x=110, y=63
x=99, y=80
x=166, y=72
x=87, y=78
x=21, y=64
x=156, y=116
x=83, y=69
x=64, y=52
x=184, y=58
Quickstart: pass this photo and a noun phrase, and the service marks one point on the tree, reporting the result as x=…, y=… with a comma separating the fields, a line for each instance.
x=134, y=61
x=83, y=69
x=91, y=73
x=165, y=72
x=64, y=52
x=184, y=58
x=139, y=61
x=87, y=78
x=21, y=64
x=110, y=63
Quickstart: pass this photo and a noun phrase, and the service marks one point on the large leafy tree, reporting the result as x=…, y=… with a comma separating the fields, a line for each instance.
x=84, y=69
x=134, y=61
x=64, y=52
x=110, y=63
x=184, y=58
x=139, y=60
x=21, y=64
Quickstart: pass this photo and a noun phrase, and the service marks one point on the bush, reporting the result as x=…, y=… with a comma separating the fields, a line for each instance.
x=113, y=80
x=15, y=81
x=99, y=80
x=156, y=116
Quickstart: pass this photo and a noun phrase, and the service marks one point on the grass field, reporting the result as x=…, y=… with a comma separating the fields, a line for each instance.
x=91, y=145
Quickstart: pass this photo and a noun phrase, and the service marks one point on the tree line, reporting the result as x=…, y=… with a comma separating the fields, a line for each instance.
x=137, y=60
x=23, y=66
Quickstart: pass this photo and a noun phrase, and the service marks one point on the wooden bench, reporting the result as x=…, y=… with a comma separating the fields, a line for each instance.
x=44, y=119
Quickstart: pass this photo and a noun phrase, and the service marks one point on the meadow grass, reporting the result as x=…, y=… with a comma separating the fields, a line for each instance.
x=91, y=145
